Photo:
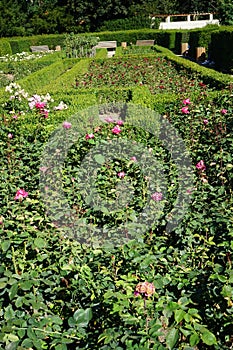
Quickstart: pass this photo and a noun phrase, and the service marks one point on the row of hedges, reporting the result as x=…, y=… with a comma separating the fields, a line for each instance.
x=12, y=46
x=170, y=39
x=216, y=40
x=209, y=76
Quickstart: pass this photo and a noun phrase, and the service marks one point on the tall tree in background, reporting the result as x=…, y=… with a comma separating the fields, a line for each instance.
x=12, y=15
x=225, y=10
x=28, y=17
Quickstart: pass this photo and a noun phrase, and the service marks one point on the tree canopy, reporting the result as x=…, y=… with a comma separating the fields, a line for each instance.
x=32, y=17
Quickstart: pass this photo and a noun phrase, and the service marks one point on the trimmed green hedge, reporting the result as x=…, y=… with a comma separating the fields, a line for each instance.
x=222, y=49
x=39, y=79
x=22, y=44
x=209, y=76
x=5, y=48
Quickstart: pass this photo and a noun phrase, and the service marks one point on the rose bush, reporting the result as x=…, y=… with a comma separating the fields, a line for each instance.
x=57, y=292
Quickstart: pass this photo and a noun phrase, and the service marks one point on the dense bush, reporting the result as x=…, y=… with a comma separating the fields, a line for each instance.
x=138, y=22
x=63, y=288
x=5, y=48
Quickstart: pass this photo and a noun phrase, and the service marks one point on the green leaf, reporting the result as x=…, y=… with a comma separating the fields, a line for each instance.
x=13, y=291
x=99, y=158
x=12, y=337
x=82, y=317
x=39, y=243
x=6, y=245
x=172, y=337
x=61, y=347
x=26, y=285
x=194, y=339
x=208, y=338
x=179, y=315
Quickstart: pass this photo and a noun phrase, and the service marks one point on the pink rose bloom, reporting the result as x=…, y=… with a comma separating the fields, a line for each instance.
x=201, y=165
x=133, y=158
x=205, y=121
x=185, y=110
x=145, y=289
x=157, y=196
x=109, y=120
x=121, y=174
x=15, y=116
x=20, y=194
x=45, y=114
x=89, y=136
x=66, y=125
x=186, y=101
x=116, y=130
x=40, y=105
x=120, y=122
x=224, y=111
x=43, y=169
x=10, y=136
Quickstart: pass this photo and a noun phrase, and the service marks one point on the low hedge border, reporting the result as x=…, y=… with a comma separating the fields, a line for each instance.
x=209, y=76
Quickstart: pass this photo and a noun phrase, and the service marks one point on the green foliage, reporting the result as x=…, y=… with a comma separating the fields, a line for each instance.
x=79, y=45
x=5, y=48
x=225, y=10
x=40, y=78
x=221, y=50
x=57, y=292
x=138, y=22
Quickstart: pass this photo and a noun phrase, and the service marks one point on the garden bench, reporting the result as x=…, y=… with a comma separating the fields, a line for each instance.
x=106, y=45
x=42, y=48
x=109, y=45
x=145, y=42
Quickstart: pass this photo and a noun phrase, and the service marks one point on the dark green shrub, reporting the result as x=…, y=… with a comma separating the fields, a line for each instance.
x=5, y=47
x=222, y=49
x=128, y=24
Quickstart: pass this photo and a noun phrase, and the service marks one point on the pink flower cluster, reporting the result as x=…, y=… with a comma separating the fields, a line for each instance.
x=224, y=111
x=185, y=109
x=157, y=196
x=66, y=125
x=116, y=130
x=40, y=103
x=110, y=120
x=89, y=136
x=20, y=194
x=145, y=289
x=121, y=174
x=201, y=165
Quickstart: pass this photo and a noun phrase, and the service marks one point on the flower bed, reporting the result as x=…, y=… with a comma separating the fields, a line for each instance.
x=70, y=276
x=155, y=72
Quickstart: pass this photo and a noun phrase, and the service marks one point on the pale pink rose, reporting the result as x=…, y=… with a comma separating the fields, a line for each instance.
x=10, y=135
x=201, y=165
x=89, y=136
x=119, y=122
x=116, y=130
x=121, y=174
x=66, y=125
x=109, y=120
x=157, y=196
x=43, y=169
x=133, y=158
x=20, y=194
x=205, y=121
